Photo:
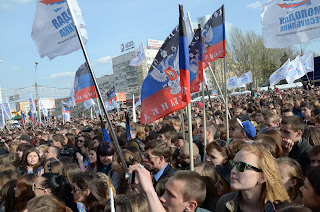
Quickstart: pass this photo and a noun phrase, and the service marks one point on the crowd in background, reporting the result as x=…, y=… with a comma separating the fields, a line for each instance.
x=269, y=163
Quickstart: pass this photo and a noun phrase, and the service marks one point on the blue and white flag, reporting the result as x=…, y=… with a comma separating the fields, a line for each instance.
x=53, y=30
x=295, y=70
x=44, y=109
x=89, y=103
x=8, y=109
x=307, y=62
x=279, y=74
x=289, y=22
x=2, y=120
x=232, y=83
x=245, y=79
x=70, y=100
x=140, y=56
x=32, y=106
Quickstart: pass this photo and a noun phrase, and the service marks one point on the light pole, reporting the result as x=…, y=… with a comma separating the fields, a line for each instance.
x=37, y=96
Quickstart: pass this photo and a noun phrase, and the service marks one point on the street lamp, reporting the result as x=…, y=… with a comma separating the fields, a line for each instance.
x=37, y=96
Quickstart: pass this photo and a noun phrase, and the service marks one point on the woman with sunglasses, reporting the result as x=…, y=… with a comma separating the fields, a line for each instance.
x=255, y=178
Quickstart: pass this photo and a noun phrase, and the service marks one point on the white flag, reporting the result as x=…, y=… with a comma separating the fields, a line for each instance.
x=140, y=56
x=88, y=103
x=70, y=100
x=134, y=115
x=285, y=23
x=8, y=109
x=232, y=83
x=66, y=117
x=307, y=62
x=44, y=109
x=53, y=30
x=295, y=70
x=245, y=79
x=279, y=74
x=32, y=106
x=139, y=101
x=2, y=120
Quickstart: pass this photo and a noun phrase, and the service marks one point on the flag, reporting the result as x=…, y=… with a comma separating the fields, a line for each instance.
x=111, y=95
x=88, y=103
x=110, y=105
x=35, y=120
x=134, y=115
x=44, y=109
x=30, y=115
x=139, y=101
x=105, y=134
x=8, y=109
x=161, y=91
x=295, y=70
x=214, y=37
x=23, y=119
x=70, y=100
x=83, y=85
x=2, y=119
x=279, y=74
x=245, y=79
x=232, y=83
x=53, y=30
x=140, y=56
x=128, y=131
x=65, y=108
x=196, y=63
x=32, y=105
x=285, y=23
x=184, y=59
x=307, y=62
x=66, y=117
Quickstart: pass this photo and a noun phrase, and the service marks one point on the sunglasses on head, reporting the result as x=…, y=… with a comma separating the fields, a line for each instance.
x=242, y=166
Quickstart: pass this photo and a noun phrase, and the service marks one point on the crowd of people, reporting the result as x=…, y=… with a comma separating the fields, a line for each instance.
x=269, y=163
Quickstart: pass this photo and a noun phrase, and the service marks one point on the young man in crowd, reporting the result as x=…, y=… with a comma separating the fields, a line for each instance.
x=241, y=130
x=293, y=145
x=306, y=110
x=315, y=156
x=272, y=121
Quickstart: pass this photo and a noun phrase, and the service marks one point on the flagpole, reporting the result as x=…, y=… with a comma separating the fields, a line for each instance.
x=221, y=94
x=115, y=139
x=204, y=121
x=190, y=139
x=183, y=130
x=134, y=115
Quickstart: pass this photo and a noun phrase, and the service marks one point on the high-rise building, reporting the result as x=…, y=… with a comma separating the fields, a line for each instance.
x=126, y=78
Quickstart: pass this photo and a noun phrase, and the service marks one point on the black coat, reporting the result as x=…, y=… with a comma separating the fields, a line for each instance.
x=168, y=172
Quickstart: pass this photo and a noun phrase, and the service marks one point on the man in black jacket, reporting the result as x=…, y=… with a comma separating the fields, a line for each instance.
x=156, y=159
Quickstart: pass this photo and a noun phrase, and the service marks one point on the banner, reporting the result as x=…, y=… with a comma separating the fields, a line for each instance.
x=32, y=105
x=53, y=30
x=232, y=83
x=285, y=23
x=279, y=74
x=111, y=95
x=245, y=79
x=121, y=97
x=83, y=85
x=295, y=70
x=140, y=56
x=214, y=37
x=8, y=109
x=307, y=62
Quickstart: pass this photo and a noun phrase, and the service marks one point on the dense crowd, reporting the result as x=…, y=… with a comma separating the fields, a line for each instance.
x=269, y=163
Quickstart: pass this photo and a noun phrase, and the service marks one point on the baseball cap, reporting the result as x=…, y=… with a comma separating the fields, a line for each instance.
x=248, y=128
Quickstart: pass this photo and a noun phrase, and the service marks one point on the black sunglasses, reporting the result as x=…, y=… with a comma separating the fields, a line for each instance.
x=242, y=166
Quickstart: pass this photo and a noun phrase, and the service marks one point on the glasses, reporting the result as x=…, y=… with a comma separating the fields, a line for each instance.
x=242, y=166
x=149, y=157
x=75, y=189
x=80, y=141
x=34, y=187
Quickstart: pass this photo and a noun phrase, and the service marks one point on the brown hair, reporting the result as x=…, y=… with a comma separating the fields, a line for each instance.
x=135, y=202
x=275, y=148
x=25, y=162
x=159, y=148
x=46, y=203
x=315, y=150
x=24, y=190
x=296, y=122
x=70, y=170
x=220, y=147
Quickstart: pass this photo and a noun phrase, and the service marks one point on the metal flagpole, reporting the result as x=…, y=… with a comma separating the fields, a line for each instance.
x=183, y=130
x=190, y=139
x=226, y=101
x=221, y=94
x=204, y=120
x=113, y=134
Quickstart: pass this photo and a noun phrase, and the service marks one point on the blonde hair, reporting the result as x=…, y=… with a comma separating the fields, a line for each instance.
x=70, y=170
x=108, y=185
x=48, y=203
x=295, y=172
x=141, y=134
x=53, y=167
x=273, y=188
x=42, y=147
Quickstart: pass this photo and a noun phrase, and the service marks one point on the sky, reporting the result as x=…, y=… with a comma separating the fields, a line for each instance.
x=109, y=24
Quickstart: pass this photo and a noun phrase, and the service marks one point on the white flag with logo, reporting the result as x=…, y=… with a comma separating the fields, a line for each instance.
x=32, y=106
x=53, y=30
x=245, y=79
x=307, y=62
x=232, y=83
x=285, y=23
x=44, y=109
x=140, y=56
x=279, y=74
x=295, y=70
x=8, y=109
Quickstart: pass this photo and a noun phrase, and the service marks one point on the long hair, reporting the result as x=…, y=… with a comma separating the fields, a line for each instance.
x=92, y=181
x=273, y=189
x=25, y=162
x=24, y=190
x=48, y=203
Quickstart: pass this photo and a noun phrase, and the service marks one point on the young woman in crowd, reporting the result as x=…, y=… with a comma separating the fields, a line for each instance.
x=217, y=153
x=292, y=177
x=23, y=191
x=255, y=179
x=31, y=161
x=135, y=202
x=48, y=203
x=311, y=189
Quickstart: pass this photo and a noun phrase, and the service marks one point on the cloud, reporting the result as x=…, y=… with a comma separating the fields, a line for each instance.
x=255, y=5
x=15, y=68
x=229, y=27
x=61, y=75
x=106, y=59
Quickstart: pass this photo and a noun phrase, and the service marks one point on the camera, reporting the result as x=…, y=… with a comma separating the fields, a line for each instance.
x=71, y=152
x=130, y=177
